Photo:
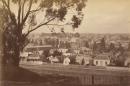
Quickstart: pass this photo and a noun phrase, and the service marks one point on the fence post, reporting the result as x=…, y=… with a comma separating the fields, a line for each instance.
x=92, y=79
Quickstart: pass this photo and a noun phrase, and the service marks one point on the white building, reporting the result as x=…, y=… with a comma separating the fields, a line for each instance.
x=127, y=60
x=63, y=50
x=66, y=61
x=32, y=59
x=101, y=60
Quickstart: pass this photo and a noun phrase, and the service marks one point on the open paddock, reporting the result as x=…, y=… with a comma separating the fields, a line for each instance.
x=85, y=75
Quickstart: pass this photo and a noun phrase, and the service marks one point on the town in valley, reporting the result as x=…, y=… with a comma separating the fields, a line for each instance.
x=64, y=43
x=88, y=49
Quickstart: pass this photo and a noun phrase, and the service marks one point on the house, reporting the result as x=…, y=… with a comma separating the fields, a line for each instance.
x=23, y=57
x=37, y=48
x=79, y=59
x=127, y=59
x=24, y=54
x=53, y=59
x=76, y=51
x=32, y=59
x=87, y=51
x=51, y=51
x=127, y=62
x=63, y=50
x=66, y=61
x=67, y=54
x=101, y=60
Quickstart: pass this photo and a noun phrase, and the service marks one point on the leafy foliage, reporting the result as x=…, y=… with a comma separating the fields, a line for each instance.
x=46, y=3
x=87, y=44
x=15, y=39
x=32, y=20
x=112, y=47
x=3, y=18
x=80, y=6
x=94, y=46
x=76, y=21
x=62, y=12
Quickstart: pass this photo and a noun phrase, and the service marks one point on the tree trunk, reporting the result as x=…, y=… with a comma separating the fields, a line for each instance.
x=12, y=58
x=11, y=47
x=17, y=56
x=1, y=47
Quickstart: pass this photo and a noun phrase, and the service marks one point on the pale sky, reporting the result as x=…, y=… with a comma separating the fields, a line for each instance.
x=101, y=16
x=107, y=16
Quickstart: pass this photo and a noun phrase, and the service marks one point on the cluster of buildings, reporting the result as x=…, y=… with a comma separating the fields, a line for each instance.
x=71, y=46
x=32, y=55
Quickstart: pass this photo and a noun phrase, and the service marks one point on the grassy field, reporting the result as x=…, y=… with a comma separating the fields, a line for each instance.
x=78, y=69
x=34, y=75
x=13, y=76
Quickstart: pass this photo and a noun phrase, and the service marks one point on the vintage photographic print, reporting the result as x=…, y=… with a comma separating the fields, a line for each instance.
x=64, y=42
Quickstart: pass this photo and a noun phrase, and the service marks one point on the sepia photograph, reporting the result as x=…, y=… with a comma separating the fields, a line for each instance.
x=64, y=42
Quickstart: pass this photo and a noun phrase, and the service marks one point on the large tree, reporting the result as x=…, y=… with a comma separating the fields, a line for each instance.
x=22, y=16
x=86, y=44
x=102, y=45
x=3, y=23
x=111, y=47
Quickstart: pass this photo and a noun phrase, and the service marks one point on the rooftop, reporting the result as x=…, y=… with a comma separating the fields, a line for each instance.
x=102, y=57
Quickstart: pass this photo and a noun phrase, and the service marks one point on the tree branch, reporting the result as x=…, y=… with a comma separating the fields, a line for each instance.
x=32, y=11
x=23, y=9
x=9, y=3
x=19, y=12
x=58, y=24
x=39, y=26
x=8, y=8
x=3, y=1
x=27, y=14
x=46, y=23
